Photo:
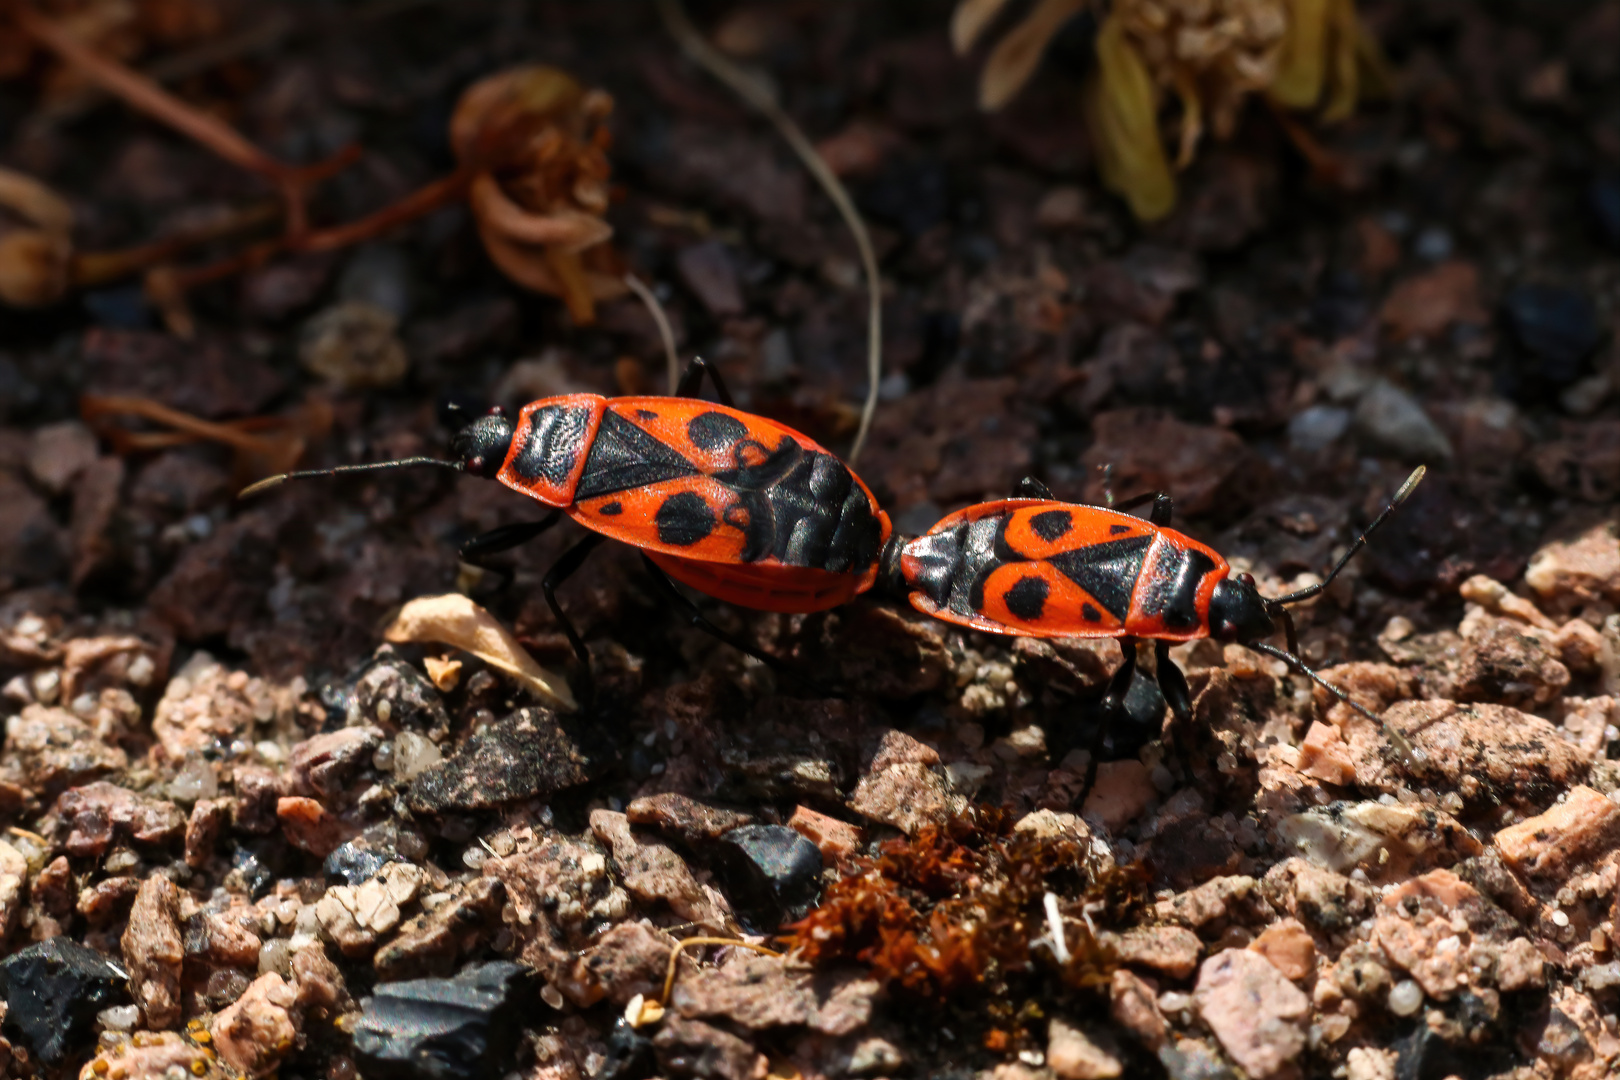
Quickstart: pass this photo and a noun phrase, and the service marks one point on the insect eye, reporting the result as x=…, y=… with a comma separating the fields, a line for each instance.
x=1246, y=578
x=475, y=465
x=496, y=410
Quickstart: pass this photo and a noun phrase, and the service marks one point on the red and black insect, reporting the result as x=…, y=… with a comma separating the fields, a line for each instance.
x=1036, y=567
x=735, y=505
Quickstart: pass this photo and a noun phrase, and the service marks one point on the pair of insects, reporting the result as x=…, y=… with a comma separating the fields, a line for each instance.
x=754, y=513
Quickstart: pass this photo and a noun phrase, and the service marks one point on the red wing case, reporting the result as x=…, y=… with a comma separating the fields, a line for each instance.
x=705, y=484
x=1038, y=568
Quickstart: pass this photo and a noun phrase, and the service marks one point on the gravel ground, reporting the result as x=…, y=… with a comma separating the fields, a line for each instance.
x=246, y=837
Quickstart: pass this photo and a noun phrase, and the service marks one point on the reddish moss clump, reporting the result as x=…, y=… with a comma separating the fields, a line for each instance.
x=961, y=906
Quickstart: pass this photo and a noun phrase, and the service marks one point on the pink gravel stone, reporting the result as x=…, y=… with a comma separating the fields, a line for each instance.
x=1580, y=830
x=255, y=1032
x=1325, y=757
x=1288, y=947
x=1254, y=1011
x=1121, y=794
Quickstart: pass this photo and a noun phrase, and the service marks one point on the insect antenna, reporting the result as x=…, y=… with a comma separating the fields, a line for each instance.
x=1406, y=489
x=1403, y=746
x=340, y=470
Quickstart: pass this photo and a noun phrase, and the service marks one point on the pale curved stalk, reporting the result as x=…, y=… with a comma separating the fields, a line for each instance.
x=761, y=97
x=665, y=332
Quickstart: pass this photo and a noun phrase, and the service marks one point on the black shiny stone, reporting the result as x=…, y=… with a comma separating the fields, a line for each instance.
x=353, y=864
x=773, y=873
x=53, y=991
x=463, y=1028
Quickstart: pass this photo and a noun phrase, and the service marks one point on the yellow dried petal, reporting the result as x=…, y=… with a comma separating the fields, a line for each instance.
x=1372, y=66
x=453, y=619
x=1016, y=56
x=1345, y=89
x=1122, y=116
x=969, y=20
x=1302, y=67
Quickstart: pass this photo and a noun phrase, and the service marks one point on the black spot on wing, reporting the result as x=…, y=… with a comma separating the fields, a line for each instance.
x=1027, y=598
x=1090, y=613
x=612, y=509
x=1052, y=525
x=624, y=456
x=715, y=430
x=1116, y=530
x=555, y=439
x=1107, y=571
x=684, y=519
x=645, y=414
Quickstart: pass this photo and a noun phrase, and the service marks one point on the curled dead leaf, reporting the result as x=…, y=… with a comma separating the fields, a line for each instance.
x=538, y=141
x=454, y=619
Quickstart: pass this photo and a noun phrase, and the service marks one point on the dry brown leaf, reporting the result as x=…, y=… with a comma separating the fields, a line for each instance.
x=1017, y=55
x=969, y=21
x=36, y=258
x=453, y=619
x=446, y=674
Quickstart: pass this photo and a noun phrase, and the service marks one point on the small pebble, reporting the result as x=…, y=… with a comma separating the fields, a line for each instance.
x=1405, y=998
x=1317, y=427
x=119, y=1017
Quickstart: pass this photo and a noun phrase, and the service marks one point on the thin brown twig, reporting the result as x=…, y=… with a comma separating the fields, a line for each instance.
x=758, y=94
x=418, y=203
x=681, y=946
x=92, y=268
x=96, y=406
x=650, y=299
x=145, y=95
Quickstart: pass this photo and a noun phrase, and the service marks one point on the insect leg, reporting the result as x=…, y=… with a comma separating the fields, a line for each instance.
x=559, y=572
x=692, y=381
x=1173, y=685
x=701, y=622
x=1162, y=506
x=476, y=552
x=1031, y=488
x=1113, y=706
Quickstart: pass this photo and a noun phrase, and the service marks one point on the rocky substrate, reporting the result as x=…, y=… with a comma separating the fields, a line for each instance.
x=235, y=876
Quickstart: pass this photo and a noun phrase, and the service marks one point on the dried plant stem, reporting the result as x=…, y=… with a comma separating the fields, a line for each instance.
x=95, y=406
x=142, y=93
x=682, y=945
x=763, y=98
x=418, y=203
x=94, y=268
x=650, y=298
